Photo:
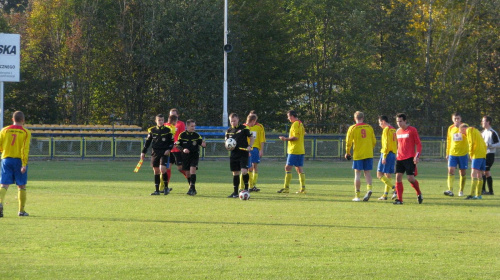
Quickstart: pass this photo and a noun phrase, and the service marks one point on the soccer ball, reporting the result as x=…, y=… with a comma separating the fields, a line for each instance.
x=244, y=195
x=230, y=144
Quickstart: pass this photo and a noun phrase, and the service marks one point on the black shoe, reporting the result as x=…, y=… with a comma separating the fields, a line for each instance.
x=191, y=192
x=487, y=193
x=155, y=193
x=254, y=189
x=1, y=210
x=167, y=191
x=469, y=197
x=397, y=202
x=420, y=199
x=367, y=196
x=233, y=195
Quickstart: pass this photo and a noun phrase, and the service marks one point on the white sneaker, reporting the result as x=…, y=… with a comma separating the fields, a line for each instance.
x=356, y=199
x=460, y=193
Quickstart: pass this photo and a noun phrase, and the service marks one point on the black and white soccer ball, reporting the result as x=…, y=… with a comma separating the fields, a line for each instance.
x=230, y=144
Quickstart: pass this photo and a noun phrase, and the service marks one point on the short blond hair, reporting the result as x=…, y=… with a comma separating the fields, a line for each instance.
x=359, y=115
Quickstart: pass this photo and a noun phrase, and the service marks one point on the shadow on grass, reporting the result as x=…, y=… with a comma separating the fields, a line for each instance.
x=124, y=220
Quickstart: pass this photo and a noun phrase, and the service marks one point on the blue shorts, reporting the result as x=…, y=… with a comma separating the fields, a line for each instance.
x=363, y=164
x=461, y=161
x=479, y=164
x=390, y=163
x=295, y=160
x=11, y=172
x=254, y=157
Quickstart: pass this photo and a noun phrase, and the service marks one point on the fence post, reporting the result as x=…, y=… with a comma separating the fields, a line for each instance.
x=82, y=150
x=51, y=147
x=113, y=145
x=314, y=147
x=341, y=148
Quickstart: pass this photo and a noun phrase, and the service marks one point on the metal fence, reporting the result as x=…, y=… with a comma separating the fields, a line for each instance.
x=317, y=147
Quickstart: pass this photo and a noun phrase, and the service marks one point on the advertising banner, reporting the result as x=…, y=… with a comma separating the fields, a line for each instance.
x=10, y=57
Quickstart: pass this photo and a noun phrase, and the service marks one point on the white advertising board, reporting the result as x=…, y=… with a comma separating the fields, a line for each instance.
x=10, y=57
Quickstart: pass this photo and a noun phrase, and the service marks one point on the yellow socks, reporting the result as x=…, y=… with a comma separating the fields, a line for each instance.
x=368, y=188
x=388, y=185
x=288, y=179
x=22, y=199
x=479, y=187
x=473, y=186
x=358, y=193
x=242, y=185
x=462, y=182
x=3, y=191
x=302, y=180
x=255, y=177
x=250, y=179
x=451, y=180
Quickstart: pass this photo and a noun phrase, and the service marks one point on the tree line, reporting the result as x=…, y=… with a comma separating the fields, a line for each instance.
x=99, y=61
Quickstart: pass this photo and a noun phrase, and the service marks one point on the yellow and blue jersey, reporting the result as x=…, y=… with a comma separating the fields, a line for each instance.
x=15, y=143
x=297, y=147
x=389, y=141
x=259, y=135
x=456, y=142
x=477, y=146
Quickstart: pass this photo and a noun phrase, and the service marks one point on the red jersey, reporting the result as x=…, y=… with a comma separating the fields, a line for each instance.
x=407, y=140
x=179, y=128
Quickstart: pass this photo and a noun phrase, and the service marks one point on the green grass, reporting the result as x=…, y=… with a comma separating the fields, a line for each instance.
x=96, y=220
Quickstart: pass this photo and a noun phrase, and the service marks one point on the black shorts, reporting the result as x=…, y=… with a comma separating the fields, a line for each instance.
x=158, y=158
x=406, y=165
x=490, y=159
x=238, y=160
x=189, y=161
x=176, y=158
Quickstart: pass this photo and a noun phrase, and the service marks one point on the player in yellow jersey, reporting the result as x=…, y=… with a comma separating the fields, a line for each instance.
x=15, y=148
x=456, y=154
x=477, y=152
x=296, y=153
x=257, y=151
x=361, y=138
x=388, y=152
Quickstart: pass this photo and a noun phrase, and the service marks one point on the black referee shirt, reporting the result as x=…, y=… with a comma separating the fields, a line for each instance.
x=241, y=134
x=161, y=138
x=190, y=140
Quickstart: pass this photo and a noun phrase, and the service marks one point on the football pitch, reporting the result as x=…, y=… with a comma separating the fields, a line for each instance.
x=97, y=220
